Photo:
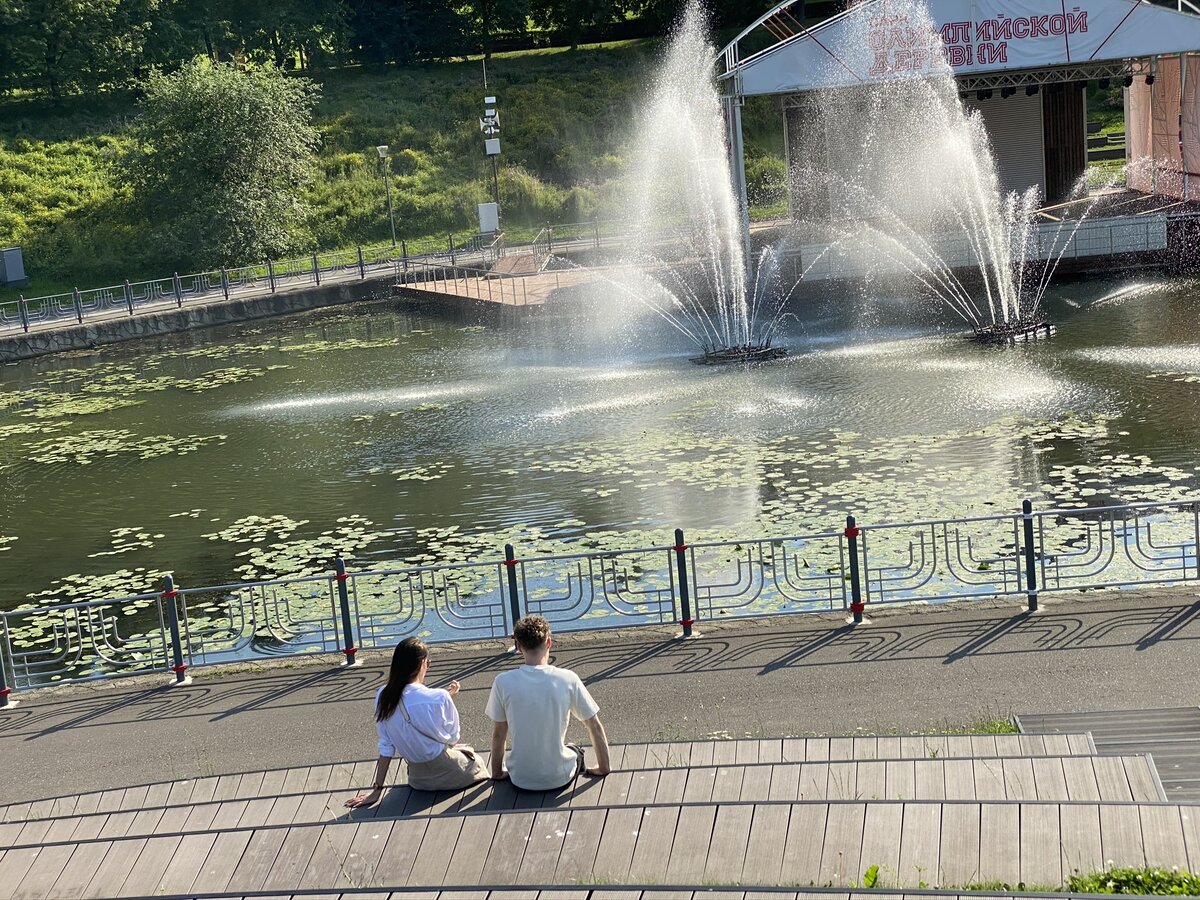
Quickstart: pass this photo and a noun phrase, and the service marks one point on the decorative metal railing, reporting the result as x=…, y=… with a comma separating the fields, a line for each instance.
x=131, y=298
x=850, y=570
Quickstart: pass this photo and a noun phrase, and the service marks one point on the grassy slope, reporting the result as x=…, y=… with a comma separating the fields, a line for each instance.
x=566, y=118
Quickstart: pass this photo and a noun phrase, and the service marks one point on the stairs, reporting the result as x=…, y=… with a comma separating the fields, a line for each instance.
x=803, y=817
x=518, y=264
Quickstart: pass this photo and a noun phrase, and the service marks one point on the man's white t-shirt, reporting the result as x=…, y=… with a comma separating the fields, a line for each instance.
x=537, y=702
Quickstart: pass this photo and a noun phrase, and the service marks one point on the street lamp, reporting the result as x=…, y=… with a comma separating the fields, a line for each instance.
x=385, y=170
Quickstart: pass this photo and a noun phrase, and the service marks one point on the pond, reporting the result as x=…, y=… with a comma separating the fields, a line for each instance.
x=262, y=449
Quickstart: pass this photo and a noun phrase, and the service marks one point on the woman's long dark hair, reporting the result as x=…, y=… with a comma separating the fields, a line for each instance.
x=406, y=663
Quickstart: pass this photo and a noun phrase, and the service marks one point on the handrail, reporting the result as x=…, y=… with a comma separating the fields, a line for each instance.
x=847, y=570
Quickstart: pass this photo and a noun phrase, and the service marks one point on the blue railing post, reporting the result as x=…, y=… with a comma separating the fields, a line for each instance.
x=129, y=296
x=316, y=270
x=514, y=598
x=175, y=282
x=169, y=599
x=1031, y=583
x=685, y=600
x=341, y=577
x=271, y=275
x=225, y=282
x=23, y=308
x=362, y=265
x=78, y=305
x=856, y=601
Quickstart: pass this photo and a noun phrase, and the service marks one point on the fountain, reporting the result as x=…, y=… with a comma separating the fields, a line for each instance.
x=687, y=227
x=914, y=181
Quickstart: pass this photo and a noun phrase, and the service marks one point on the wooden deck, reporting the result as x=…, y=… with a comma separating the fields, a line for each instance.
x=784, y=813
x=663, y=755
x=509, y=291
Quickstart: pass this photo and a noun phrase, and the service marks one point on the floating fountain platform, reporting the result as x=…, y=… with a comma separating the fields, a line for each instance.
x=751, y=353
x=1006, y=334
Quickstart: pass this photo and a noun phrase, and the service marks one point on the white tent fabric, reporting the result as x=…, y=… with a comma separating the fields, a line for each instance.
x=872, y=41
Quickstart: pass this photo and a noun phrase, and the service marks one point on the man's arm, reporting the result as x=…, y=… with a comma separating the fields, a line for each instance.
x=600, y=745
x=499, y=737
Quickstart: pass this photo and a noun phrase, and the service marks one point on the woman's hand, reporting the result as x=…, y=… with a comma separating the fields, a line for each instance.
x=452, y=688
x=366, y=798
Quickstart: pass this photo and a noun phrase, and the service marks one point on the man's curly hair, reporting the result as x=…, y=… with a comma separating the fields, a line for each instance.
x=531, y=632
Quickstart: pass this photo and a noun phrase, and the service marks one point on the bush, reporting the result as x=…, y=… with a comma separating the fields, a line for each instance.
x=1137, y=881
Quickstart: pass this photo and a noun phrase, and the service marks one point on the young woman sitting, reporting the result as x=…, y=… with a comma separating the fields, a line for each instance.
x=420, y=725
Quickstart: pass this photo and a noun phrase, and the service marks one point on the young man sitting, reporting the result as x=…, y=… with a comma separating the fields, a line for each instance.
x=534, y=705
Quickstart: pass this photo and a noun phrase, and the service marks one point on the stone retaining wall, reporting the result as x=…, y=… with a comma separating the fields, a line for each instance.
x=198, y=315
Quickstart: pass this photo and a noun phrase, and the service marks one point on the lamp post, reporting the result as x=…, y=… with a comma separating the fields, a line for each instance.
x=385, y=171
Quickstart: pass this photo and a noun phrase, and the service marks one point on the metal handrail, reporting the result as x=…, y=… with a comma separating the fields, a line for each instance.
x=1024, y=554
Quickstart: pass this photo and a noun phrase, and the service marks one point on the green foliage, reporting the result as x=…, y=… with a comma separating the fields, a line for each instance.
x=220, y=162
x=870, y=878
x=1137, y=881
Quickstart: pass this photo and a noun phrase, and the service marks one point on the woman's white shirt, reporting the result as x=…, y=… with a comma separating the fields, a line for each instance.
x=432, y=711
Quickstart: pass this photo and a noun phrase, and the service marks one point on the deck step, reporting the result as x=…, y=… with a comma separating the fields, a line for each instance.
x=664, y=755
x=1045, y=779
x=913, y=844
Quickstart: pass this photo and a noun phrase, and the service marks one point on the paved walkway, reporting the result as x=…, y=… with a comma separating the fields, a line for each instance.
x=925, y=669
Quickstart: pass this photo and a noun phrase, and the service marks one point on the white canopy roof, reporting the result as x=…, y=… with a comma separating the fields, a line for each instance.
x=881, y=39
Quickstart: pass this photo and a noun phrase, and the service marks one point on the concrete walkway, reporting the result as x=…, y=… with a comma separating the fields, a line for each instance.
x=925, y=669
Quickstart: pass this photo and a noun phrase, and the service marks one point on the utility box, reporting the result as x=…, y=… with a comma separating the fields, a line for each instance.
x=12, y=267
x=489, y=218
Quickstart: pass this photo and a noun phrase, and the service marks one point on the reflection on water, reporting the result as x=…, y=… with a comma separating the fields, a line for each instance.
x=380, y=433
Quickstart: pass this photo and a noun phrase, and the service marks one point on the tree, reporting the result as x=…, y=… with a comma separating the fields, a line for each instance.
x=406, y=31
x=223, y=160
x=490, y=17
x=575, y=17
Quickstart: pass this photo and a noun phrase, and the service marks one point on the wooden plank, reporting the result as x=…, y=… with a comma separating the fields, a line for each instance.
x=1000, y=842
x=727, y=786
x=901, y=780
x=703, y=753
x=202, y=790
x=959, y=779
x=79, y=870
x=283, y=810
x=700, y=785
x=466, y=863
x=763, y=863
x=1162, y=836
x=727, y=849
x=770, y=751
x=178, y=793
x=169, y=821
x=1018, y=779
x=293, y=780
x=635, y=756
x=222, y=860
x=805, y=840
x=840, y=856
x=114, y=869
x=544, y=846
x=785, y=782
x=842, y=781
x=1080, y=835
x=1111, y=777
x=887, y=747
x=1049, y=781
x=227, y=787
x=1041, y=846
x=615, y=789
x=508, y=848
x=257, y=859
x=17, y=864
x=653, y=846
x=958, y=852
x=400, y=853
x=871, y=778
x=930, y=780
x=1080, y=776
x=368, y=841
x=327, y=866
x=257, y=812
x=724, y=753
x=46, y=869
x=1142, y=785
x=617, y=843
x=152, y=862
x=1121, y=835
x=437, y=849
x=581, y=843
x=117, y=824
x=229, y=813
x=199, y=818
x=187, y=863
x=881, y=844
x=33, y=832
x=747, y=753
x=920, y=843
x=673, y=845
x=643, y=787
x=671, y=785
x=756, y=783
x=1031, y=744
x=88, y=828
x=989, y=779
x=984, y=745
